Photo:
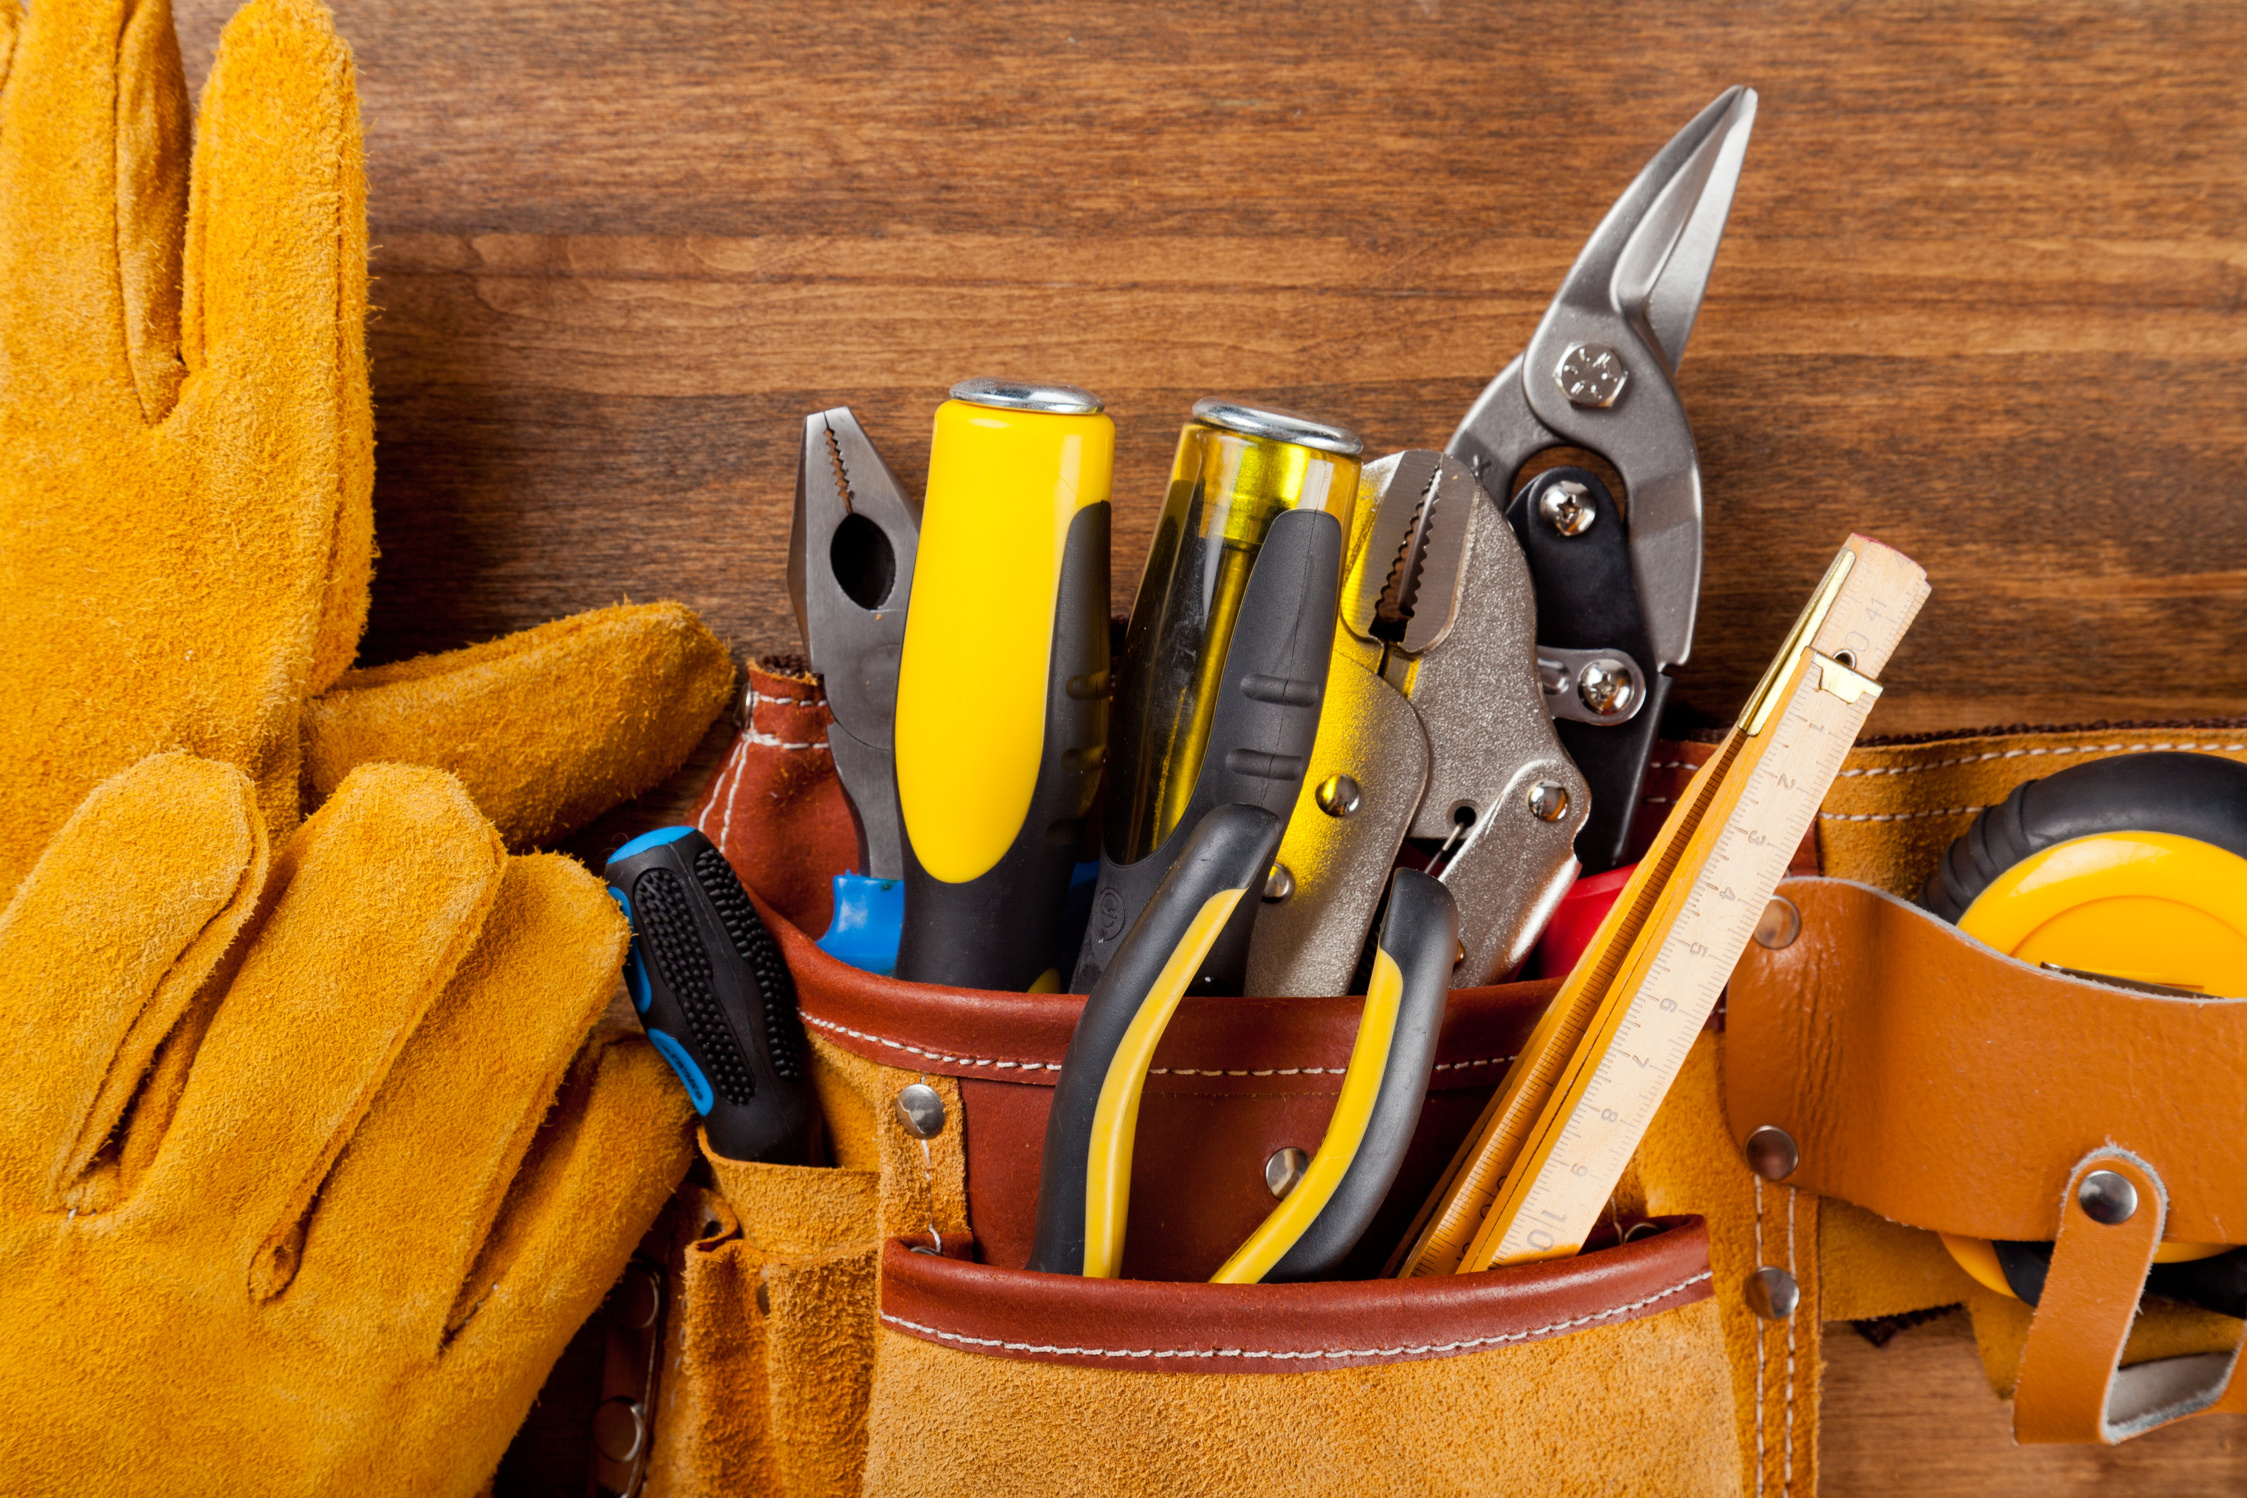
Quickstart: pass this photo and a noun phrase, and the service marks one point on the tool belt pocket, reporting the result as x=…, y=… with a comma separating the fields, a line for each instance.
x=2019, y=1110
x=993, y=1380
x=986, y=1377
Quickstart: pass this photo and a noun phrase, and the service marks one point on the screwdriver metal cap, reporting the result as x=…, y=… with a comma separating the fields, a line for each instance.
x=1276, y=425
x=1027, y=395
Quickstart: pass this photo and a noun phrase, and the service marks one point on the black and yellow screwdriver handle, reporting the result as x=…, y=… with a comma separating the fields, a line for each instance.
x=1002, y=691
x=1313, y=1229
x=1084, y=1180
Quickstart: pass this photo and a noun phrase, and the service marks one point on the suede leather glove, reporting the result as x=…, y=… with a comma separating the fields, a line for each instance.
x=305, y=1178
x=186, y=458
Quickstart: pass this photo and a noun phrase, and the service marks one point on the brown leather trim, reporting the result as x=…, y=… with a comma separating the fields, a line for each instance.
x=1213, y=1047
x=1946, y=1086
x=2083, y=1316
x=1202, y=1328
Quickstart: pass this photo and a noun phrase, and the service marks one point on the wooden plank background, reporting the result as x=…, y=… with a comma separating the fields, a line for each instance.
x=1982, y=296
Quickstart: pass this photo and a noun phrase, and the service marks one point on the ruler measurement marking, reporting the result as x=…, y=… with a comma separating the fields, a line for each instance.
x=1687, y=972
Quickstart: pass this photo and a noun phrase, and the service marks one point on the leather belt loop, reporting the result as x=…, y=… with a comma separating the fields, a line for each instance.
x=2071, y=1387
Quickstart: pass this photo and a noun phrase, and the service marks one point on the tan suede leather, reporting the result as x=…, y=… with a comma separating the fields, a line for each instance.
x=1686, y=1163
x=305, y=1174
x=770, y=1394
x=1894, y=808
x=981, y=1386
x=186, y=453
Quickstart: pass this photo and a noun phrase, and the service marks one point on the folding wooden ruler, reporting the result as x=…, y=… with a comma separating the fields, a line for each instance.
x=1533, y=1179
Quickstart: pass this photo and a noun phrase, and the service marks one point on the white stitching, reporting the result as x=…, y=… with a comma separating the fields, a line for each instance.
x=1976, y=759
x=1152, y=1071
x=753, y=734
x=1896, y=816
x=1331, y=1352
x=1786, y=1477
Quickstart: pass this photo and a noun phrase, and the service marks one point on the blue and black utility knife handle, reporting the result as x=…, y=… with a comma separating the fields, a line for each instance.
x=1260, y=736
x=1084, y=1179
x=1588, y=599
x=1321, y=1219
x=715, y=997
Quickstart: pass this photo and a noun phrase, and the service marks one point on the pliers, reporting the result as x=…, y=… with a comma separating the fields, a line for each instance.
x=850, y=572
x=1084, y=1183
x=1618, y=576
x=1433, y=729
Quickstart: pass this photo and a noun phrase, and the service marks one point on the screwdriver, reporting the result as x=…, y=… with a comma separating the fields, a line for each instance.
x=1225, y=658
x=714, y=996
x=1002, y=688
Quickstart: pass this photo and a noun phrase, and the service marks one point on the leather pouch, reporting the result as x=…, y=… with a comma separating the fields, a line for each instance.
x=1945, y=1086
x=870, y=1366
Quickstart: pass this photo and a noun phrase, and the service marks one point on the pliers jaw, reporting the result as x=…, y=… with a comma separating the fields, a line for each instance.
x=851, y=549
x=1598, y=375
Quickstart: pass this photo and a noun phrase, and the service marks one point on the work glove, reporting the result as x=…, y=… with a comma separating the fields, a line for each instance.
x=305, y=1180
x=186, y=458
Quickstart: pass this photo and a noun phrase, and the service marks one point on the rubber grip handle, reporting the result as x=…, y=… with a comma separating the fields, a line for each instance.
x=1420, y=936
x=1261, y=733
x=1227, y=854
x=1003, y=929
x=715, y=997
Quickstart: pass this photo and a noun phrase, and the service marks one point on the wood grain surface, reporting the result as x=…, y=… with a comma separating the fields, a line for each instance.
x=1982, y=297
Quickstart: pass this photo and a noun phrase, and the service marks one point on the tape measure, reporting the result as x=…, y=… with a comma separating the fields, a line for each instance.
x=1533, y=1180
x=2131, y=871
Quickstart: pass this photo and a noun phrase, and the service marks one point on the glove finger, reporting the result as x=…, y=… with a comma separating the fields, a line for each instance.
x=118, y=924
x=421, y=1182
x=547, y=728
x=82, y=132
x=372, y=906
x=607, y=1159
x=152, y=154
x=272, y=322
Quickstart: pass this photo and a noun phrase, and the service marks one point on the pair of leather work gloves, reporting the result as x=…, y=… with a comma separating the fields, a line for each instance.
x=307, y=1169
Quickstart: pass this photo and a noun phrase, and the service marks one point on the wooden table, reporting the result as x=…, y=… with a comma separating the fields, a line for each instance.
x=1982, y=296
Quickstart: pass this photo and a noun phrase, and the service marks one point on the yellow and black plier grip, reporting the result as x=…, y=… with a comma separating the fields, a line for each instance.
x=1313, y=1229
x=1084, y=1181
x=1085, y=1177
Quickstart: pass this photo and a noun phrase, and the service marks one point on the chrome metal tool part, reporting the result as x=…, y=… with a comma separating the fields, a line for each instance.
x=1598, y=376
x=1433, y=709
x=850, y=571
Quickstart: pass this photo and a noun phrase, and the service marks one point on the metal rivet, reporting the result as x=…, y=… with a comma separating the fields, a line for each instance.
x=1548, y=801
x=1278, y=884
x=921, y=1109
x=1567, y=507
x=1284, y=1169
x=2107, y=1197
x=619, y=1426
x=1592, y=375
x=1607, y=687
x=1771, y=1293
x=1772, y=1153
x=637, y=1299
x=1339, y=796
x=1778, y=926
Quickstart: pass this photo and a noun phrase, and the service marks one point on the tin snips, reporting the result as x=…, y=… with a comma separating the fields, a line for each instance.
x=1483, y=638
x=1618, y=575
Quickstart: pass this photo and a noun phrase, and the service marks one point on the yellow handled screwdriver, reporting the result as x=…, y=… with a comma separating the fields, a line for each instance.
x=1002, y=687
x=1224, y=665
